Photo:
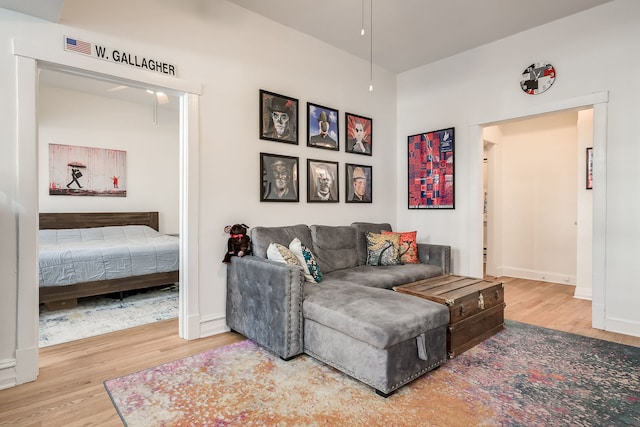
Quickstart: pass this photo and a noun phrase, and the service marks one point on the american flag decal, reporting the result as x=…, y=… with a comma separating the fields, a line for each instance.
x=77, y=46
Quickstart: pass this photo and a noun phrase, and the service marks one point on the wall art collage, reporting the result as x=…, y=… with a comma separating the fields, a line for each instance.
x=279, y=174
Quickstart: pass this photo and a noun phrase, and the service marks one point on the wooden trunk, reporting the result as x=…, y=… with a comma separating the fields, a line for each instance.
x=476, y=307
x=467, y=333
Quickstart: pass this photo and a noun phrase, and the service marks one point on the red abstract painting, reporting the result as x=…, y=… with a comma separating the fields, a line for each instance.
x=431, y=170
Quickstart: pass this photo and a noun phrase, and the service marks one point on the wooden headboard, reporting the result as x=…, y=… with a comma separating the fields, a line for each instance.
x=50, y=221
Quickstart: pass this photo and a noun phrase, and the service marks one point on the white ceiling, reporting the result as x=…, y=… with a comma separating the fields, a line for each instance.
x=44, y=9
x=60, y=78
x=411, y=33
x=406, y=33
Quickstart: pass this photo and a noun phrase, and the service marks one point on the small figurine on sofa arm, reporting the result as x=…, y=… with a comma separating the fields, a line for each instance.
x=239, y=243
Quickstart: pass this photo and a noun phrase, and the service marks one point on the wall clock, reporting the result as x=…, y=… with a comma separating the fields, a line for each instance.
x=537, y=78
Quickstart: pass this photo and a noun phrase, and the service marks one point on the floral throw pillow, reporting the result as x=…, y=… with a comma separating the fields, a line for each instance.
x=408, y=247
x=382, y=249
x=310, y=267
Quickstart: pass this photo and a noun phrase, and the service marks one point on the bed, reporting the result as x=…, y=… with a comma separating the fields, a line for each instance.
x=80, y=255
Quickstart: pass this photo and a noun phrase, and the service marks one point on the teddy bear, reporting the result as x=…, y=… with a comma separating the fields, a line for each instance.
x=239, y=243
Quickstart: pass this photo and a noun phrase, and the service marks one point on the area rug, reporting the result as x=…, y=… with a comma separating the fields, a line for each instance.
x=523, y=376
x=102, y=314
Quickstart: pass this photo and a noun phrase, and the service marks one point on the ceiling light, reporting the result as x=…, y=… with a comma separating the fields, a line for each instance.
x=162, y=97
x=117, y=88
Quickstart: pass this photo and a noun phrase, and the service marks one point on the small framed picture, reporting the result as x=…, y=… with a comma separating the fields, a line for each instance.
x=431, y=170
x=322, y=181
x=278, y=117
x=358, y=182
x=590, y=168
x=322, y=127
x=279, y=178
x=359, y=134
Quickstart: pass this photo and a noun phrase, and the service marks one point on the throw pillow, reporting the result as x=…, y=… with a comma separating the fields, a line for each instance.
x=277, y=252
x=382, y=249
x=310, y=267
x=408, y=246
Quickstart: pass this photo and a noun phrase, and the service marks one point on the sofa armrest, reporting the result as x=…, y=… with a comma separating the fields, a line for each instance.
x=264, y=303
x=439, y=255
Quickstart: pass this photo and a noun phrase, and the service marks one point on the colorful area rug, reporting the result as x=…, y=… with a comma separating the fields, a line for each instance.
x=523, y=376
x=101, y=314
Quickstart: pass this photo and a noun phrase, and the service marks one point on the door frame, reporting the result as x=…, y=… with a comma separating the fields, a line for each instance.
x=29, y=57
x=599, y=103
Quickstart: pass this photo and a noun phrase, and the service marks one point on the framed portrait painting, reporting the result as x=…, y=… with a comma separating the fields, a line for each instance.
x=358, y=183
x=279, y=178
x=590, y=168
x=322, y=181
x=278, y=117
x=322, y=127
x=359, y=134
x=431, y=170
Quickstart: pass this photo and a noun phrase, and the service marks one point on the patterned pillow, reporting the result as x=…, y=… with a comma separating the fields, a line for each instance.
x=408, y=246
x=382, y=249
x=310, y=267
x=279, y=253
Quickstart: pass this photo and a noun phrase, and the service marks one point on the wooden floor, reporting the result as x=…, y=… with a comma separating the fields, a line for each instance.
x=553, y=306
x=70, y=391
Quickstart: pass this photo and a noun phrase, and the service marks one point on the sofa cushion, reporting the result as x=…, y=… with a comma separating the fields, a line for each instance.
x=408, y=246
x=377, y=317
x=312, y=272
x=262, y=237
x=383, y=249
x=334, y=247
x=280, y=253
x=382, y=276
x=361, y=229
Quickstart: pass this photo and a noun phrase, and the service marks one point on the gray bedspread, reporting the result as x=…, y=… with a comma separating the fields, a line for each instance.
x=90, y=254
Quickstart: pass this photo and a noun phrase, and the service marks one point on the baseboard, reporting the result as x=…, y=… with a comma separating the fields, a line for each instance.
x=597, y=316
x=542, y=276
x=213, y=325
x=190, y=328
x=583, y=293
x=623, y=326
x=27, y=364
x=7, y=373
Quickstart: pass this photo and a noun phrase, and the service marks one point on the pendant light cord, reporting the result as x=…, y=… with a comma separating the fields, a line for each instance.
x=371, y=48
x=362, y=24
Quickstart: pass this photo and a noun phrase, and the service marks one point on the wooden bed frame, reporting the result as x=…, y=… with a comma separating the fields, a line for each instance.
x=57, y=297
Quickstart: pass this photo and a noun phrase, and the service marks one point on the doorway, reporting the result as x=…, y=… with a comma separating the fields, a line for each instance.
x=80, y=112
x=29, y=58
x=598, y=102
x=538, y=207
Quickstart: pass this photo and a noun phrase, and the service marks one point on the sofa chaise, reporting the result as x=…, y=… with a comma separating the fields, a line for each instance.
x=352, y=319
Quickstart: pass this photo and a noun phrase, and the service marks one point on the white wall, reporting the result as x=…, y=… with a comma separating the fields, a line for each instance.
x=70, y=117
x=538, y=169
x=232, y=53
x=482, y=85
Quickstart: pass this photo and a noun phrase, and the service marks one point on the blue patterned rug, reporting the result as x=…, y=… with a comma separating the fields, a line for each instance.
x=102, y=314
x=522, y=376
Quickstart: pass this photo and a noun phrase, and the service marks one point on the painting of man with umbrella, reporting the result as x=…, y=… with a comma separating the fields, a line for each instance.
x=86, y=171
x=75, y=173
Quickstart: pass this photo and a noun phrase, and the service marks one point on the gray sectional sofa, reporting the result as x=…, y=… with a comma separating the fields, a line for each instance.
x=351, y=320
